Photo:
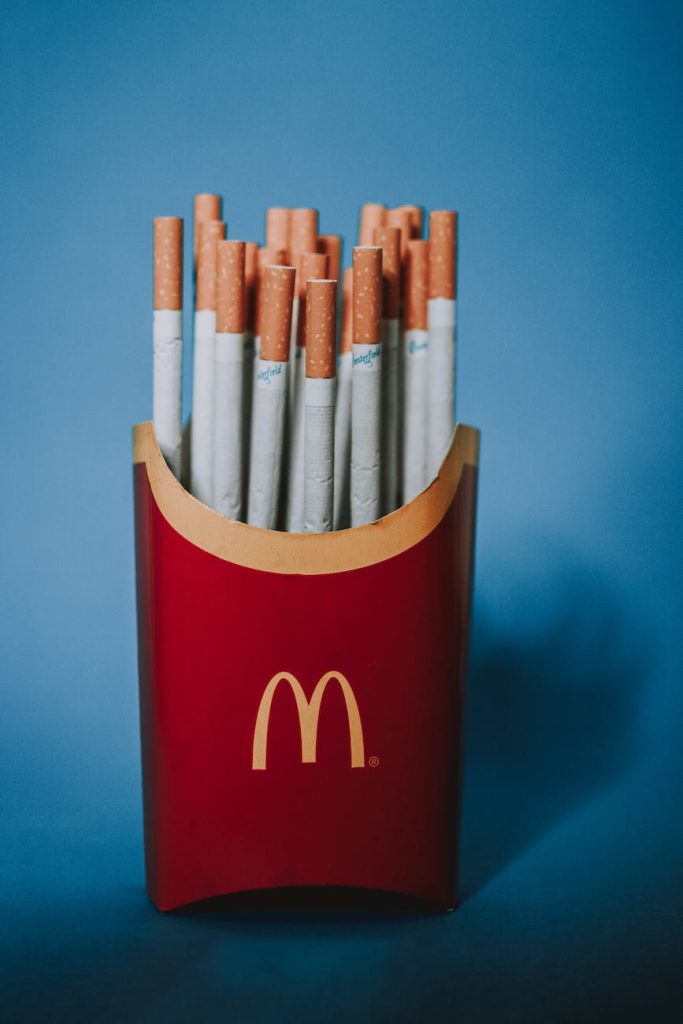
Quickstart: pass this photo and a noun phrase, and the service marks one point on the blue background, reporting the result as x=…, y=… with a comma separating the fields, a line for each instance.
x=555, y=130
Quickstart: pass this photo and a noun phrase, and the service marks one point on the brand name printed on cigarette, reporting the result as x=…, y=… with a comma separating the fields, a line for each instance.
x=367, y=358
x=309, y=712
x=417, y=346
x=268, y=372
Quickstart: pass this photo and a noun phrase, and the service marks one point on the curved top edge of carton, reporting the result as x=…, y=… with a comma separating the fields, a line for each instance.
x=297, y=553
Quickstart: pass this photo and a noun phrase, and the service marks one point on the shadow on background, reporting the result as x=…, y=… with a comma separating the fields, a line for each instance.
x=551, y=718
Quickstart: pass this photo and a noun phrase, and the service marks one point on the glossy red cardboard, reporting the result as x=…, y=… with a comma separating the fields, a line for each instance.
x=301, y=697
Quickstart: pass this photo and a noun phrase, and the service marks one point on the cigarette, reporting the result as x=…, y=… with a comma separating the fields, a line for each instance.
x=270, y=398
x=207, y=206
x=415, y=370
x=266, y=257
x=277, y=228
x=346, y=340
x=248, y=371
x=372, y=215
x=321, y=322
x=167, y=337
x=416, y=215
x=228, y=379
x=342, y=417
x=303, y=237
x=311, y=265
x=231, y=293
x=366, y=397
x=400, y=218
x=389, y=239
x=303, y=232
x=201, y=459
x=331, y=246
x=441, y=316
x=250, y=265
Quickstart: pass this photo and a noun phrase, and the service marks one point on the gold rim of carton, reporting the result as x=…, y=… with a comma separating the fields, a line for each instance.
x=297, y=553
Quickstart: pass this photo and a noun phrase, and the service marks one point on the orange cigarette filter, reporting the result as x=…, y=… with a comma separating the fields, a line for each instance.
x=367, y=295
x=399, y=218
x=331, y=246
x=416, y=285
x=443, y=233
x=389, y=239
x=276, y=317
x=230, y=287
x=372, y=215
x=250, y=260
x=321, y=321
x=303, y=232
x=210, y=232
x=207, y=206
x=311, y=265
x=346, y=341
x=416, y=214
x=168, y=263
x=266, y=257
x=277, y=227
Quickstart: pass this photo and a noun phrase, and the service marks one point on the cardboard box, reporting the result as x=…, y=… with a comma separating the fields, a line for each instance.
x=301, y=696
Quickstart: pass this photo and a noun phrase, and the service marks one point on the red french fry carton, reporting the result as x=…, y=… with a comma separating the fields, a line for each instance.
x=301, y=695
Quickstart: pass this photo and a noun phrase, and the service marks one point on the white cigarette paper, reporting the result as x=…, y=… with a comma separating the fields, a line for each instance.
x=366, y=432
x=295, y=477
x=167, y=335
x=293, y=335
x=342, y=441
x=415, y=372
x=441, y=320
x=248, y=377
x=257, y=350
x=185, y=454
x=252, y=405
x=228, y=424
x=268, y=424
x=390, y=407
x=319, y=454
x=201, y=462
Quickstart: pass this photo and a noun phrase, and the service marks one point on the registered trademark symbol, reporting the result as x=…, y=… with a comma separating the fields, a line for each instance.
x=373, y=761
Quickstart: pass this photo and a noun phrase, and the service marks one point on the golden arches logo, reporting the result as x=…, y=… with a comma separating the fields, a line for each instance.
x=309, y=712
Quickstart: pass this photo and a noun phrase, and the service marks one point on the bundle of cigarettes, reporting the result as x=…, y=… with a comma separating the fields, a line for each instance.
x=298, y=425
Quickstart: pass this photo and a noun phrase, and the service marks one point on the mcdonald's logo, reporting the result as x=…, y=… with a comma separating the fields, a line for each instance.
x=309, y=712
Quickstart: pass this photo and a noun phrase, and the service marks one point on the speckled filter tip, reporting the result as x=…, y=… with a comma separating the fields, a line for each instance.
x=321, y=322
x=367, y=295
x=168, y=263
x=443, y=229
x=230, y=287
x=276, y=315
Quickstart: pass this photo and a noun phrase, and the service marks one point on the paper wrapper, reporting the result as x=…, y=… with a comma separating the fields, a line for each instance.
x=278, y=756
x=201, y=458
x=415, y=412
x=228, y=442
x=441, y=389
x=318, y=454
x=167, y=334
x=390, y=354
x=269, y=415
x=295, y=475
x=366, y=433
x=342, y=442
